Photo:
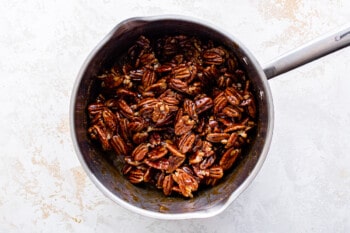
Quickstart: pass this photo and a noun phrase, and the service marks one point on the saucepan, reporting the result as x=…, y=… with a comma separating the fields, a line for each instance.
x=211, y=201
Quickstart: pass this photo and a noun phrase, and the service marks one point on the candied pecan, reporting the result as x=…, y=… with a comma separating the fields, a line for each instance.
x=184, y=125
x=119, y=145
x=157, y=87
x=172, y=148
x=231, y=64
x=250, y=104
x=220, y=102
x=175, y=96
x=215, y=56
x=182, y=71
x=207, y=162
x=136, y=75
x=170, y=100
x=109, y=119
x=202, y=127
x=113, y=105
x=157, y=153
x=167, y=185
x=209, y=75
x=196, y=157
x=155, y=139
x=190, y=108
x=160, y=112
x=235, y=127
x=231, y=111
x=147, y=102
x=186, y=142
x=201, y=173
x=129, y=160
x=125, y=109
x=149, y=77
x=228, y=158
x=174, y=163
x=195, y=89
x=160, y=164
x=216, y=172
x=203, y=104
x=233, y=96
x=187, y=183
x=213, y=123
x=125, y=92
x=140, y=151
x=95, y=108
x=177, y=110
x=97, y=132
x=197, y=144
x=136, y=176
x=123, y=128
x=217, y=137
x=148, y=59
x=139, y=137
x=159, y=177
x=111, y=80
x=207, y=148
x=147, y=177
x=137, y=124
x=168, y=120
x=178, y=85
x=231, y=140
x=164, y=68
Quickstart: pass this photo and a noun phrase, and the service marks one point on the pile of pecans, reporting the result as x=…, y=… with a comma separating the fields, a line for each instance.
x=178, y=110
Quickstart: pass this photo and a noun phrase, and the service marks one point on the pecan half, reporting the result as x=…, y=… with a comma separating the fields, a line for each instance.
x=125, y=109
x=231, y=140
x=220, y=102
x=186, y=142
x=178, y=85
x=217, y=137
x=184, y=125
x=119, y=145
x=160, y=164
x=231, y=112
x=140, y=137
x=228, y=158
x=137, y=124
x=136, y=176
x=203, y=104
x=167, y=185
x=172, y=149
x=215, y=56
x=187, y=183
x=174, y=163
x=250, y=104
x=233, y=96
x=149, y=77
x=157, y=153
x=160, y=112
x=140, y=152
x=190, y=108
x=97, y=132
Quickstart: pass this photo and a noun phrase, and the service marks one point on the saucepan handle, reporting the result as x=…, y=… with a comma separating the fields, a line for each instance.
x=311, y=51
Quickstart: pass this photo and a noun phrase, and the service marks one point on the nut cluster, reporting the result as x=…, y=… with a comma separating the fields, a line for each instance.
x=177, y=110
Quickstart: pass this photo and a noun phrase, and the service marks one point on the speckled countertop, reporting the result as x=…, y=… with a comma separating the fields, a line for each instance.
x=304, y=185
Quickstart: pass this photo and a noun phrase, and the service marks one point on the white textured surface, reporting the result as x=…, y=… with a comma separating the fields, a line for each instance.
x=304, y=185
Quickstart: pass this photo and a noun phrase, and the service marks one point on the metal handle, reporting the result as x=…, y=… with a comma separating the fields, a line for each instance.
x=311, y=51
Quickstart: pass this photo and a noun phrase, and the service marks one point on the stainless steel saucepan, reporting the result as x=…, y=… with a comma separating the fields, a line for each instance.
x=211, y=201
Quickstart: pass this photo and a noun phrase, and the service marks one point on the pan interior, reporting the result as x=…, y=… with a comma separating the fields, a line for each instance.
x=103, y=171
